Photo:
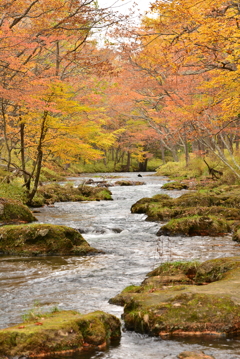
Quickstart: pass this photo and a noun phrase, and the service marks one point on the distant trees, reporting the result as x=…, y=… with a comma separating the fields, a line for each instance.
x=186, y=59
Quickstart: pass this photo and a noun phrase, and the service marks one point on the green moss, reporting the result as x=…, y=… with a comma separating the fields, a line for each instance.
x=171, y=308
x=215, y=269
x=159, y=201
x=12, y=211
x=174, y=186
x=236, y=233
x=131, y=289
x=172, y=268
x=208, y=213
x=54, y=192
x=42, y=239
x=57, y=332
x=11, y=190
x=129, y=183
x=196, y=225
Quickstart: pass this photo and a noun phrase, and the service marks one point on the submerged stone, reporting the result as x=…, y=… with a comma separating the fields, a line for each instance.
x=194, y=355
x=42, y=239
x=58, y=333
x=186, y=299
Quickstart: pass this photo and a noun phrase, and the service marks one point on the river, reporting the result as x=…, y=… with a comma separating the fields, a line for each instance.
x=131, y=250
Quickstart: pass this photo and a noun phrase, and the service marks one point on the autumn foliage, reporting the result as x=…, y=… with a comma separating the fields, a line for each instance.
x=166, y=86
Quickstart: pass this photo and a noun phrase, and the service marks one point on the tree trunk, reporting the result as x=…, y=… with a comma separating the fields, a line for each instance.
x=174, y=154
x=128, y=161
x=38, y=165
x=143, y=165
x=26, y=178
x=8, y=148
x=163, y=153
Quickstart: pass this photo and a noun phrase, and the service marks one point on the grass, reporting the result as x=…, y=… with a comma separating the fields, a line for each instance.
x=13, y=190
x=37, y=311
x=197, y=169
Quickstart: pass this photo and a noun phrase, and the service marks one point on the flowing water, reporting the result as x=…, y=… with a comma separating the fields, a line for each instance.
x=131, y=249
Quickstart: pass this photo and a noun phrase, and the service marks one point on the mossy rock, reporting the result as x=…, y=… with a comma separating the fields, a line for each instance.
x=236, y=233
x=58, y=333
x=193, y=213
x=171, y=302
x=160, y=200
x=174, y=186
x=194, y=355
x=196, y=226
x=42, y=239
x=54, y=192
x=158, y=213
x=12, y=211
x=95, y=193
x=225, y=203
x=129, y=183
x=230, y=199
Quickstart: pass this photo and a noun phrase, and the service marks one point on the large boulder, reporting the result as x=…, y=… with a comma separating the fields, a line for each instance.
x=185, y=299
x=58, y=333
x=196, y=226
x=12, y=211
x=42, y=239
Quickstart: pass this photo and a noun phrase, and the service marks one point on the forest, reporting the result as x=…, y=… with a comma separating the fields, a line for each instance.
x=165, y=90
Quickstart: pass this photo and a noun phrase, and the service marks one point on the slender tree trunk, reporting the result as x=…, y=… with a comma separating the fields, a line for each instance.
x=27, y=179
x=6, y=140
x=174, y=153
x=186, y=149
x=163, y=153
x=57, y=58
x=237, y=140
x=38, y=164
x=128, y=161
